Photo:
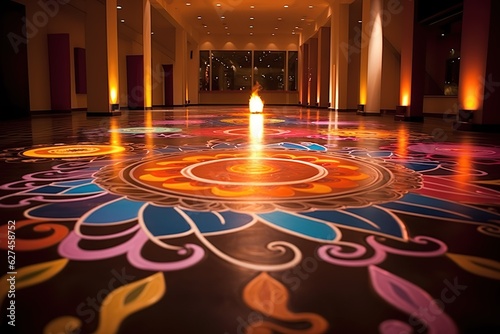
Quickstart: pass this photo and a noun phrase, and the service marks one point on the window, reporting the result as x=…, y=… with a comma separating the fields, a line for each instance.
x=293, y=70
x=204, y=70
x=231, y=70
x=269, y=69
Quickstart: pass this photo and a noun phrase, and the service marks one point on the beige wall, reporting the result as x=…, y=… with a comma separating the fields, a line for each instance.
x=62, y=19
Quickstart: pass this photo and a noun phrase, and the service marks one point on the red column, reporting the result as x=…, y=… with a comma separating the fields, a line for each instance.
x=412, y=80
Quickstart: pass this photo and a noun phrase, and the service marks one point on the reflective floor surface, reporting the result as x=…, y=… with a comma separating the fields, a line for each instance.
x=215, y=220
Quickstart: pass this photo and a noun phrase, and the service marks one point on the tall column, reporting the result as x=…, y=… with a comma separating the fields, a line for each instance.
x=305, y=74
x=478, y=95
x=180, y=66
x=313, y=72
x=101, y=41
x=146, y=51
x=412, y=78
x=323, y=67
x=371, y=57
x=339, y=35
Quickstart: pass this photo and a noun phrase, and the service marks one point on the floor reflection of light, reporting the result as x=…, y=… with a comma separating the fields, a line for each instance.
x=148, y=122
x=464, y=165
x=256, y=130
x=333, y=125
x=115, y=137
x=402, y=149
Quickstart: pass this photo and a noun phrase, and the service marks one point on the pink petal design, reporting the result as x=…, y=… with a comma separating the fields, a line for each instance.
x=395, y=327
x=424, y=311
x=70, y=249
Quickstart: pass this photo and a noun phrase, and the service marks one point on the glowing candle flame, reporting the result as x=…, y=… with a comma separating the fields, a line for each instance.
x=256, y=104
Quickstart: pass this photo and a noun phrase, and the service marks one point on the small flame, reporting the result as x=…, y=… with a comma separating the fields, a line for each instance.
x=256, y=104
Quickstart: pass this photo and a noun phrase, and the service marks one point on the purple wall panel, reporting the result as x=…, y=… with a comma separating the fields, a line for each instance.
x=135, y=82
x=59, y=69
x=80, y=71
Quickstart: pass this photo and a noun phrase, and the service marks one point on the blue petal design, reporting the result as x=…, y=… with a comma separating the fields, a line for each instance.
x=315, y=147
x=420, y=166
x=209, y=222
x=289, y=146
x=73, y=183
x=434, y=207
x=301, y=225
x=114, y=212
x=370, y=219
x=220, y=146
x=380, y=154
x=84, y=189
x=47, y=190
x=69, y=210
x=164, y=221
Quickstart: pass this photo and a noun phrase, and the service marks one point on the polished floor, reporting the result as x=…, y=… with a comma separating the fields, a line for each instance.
x=215, y=220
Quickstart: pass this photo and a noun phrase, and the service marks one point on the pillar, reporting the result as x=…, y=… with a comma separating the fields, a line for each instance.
x=146, y=51
x=339, y=35
x=305, y=74
x=313, y=73
x=180, y=66
x=371, y=57
x=478, y=95
x=101, y=40
x=323, y=67
x=412, y=77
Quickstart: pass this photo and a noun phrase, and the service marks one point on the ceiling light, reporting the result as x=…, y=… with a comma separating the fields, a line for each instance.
x=286, y=6
x=276, y=28
x=251, y=18
x=252, y=6
x=251, y=34
x=226, y=27
x=118, y=7
x=208, y=32
x=359, y=21
x=228, y=33
x=310, y=6
x=279, y=18
x=222, y=17
x=251, y=27
x=199, y=17
x=188, y=3
x=293, y=32
x=302, y=19
x=273, y=34
x=218, y=5
x=152, y=32
x=122, y=21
